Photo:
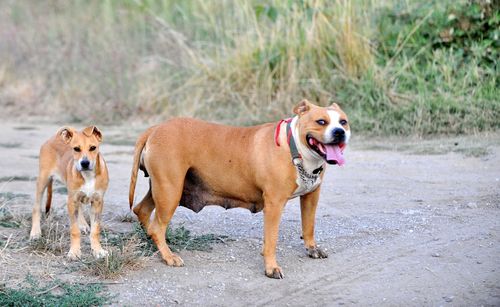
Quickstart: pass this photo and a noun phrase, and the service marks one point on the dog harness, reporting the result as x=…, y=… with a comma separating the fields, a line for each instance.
x=291, y=142
x=306, y=181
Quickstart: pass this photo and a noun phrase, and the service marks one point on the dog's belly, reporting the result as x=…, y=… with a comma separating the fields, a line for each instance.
x=196, y=194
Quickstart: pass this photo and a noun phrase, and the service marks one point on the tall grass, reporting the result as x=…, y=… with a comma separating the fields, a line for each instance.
x=242, y=62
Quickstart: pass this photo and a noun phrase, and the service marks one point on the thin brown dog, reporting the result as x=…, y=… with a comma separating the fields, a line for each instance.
x=74, y=158
x=194, y=163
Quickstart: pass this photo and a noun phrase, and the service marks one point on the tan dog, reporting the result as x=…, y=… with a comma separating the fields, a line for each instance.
x=74, y=157
x=195, y=163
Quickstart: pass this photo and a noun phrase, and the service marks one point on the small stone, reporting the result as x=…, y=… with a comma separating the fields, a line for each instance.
x=472, y=205
x=437, y=255
x=479, y=262
x=448, y=299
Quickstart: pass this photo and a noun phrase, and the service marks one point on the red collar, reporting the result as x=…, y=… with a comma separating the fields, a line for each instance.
x=277, y=131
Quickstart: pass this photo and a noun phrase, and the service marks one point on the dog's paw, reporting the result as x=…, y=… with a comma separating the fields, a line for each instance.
x=316, y=253
x=99, y=253
x=35, y=235
x=74, y=254
x=275, y=273
x=174, y=260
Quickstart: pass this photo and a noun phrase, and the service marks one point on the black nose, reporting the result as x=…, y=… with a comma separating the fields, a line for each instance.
x=85, y=164
x=338, y=135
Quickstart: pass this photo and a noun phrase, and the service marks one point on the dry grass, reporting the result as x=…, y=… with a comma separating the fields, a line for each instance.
x=240, y=62
x=126, y=256
x=54, y=239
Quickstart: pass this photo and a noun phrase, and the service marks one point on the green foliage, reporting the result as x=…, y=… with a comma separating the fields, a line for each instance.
x=470, y=28
x=179, y=239
x=33, y=294
x=7, y=219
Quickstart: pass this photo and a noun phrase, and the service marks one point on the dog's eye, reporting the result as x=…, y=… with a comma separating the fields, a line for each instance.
x=92, y=148
x=321, y=122
x=343, y=122
x=77, y=149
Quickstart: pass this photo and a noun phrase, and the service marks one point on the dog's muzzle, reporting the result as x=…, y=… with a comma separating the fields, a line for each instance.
x=332, y=152
x=84, y=165
x=338, y=136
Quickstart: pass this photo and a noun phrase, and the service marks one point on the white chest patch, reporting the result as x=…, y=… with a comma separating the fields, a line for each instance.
x=307, y=182
x=89, y=186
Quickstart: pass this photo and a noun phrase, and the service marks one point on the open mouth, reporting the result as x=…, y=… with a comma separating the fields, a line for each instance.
x=332, y=153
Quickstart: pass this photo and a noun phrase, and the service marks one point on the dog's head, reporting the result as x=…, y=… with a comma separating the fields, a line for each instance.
x=84, y=145
x=324, y=130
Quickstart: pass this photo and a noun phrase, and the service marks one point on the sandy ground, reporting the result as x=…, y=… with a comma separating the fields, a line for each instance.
x=405, y=222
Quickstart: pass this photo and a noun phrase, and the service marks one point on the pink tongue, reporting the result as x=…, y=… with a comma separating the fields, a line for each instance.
x=333, y=153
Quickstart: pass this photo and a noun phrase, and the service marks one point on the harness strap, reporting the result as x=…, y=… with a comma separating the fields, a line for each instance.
x=296, y=157
x=277, y=132
x=294, y=152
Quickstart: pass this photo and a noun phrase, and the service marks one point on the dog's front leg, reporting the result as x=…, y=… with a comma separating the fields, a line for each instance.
x=308, y=204
x=96, y=202
x=273, y=209
x=74, y=205
x=82, y=222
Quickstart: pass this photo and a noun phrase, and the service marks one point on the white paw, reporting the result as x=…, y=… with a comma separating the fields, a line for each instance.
x=74, y=254
x=35, y=234
x=100, y=253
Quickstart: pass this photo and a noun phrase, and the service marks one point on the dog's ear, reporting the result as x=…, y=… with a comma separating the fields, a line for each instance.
x=66, y=134
x=335, y=106
x=93, y=130
x=302, y=107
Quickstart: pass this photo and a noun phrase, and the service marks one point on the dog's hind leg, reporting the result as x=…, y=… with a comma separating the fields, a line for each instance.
x=144, y=208
x=41, y=184
x=166, y=199
x=48, y=202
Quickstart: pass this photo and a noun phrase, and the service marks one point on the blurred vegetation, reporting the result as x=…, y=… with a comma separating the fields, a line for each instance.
x=395, y=66
x=32, y=293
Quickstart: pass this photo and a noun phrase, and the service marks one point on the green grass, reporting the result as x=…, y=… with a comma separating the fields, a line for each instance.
x=178, y=239
x=16, y=178
x=396, y=66
x=120, y=141
x=25, y=128
x=61, y=190
x=54, y=239
x=10, y=145
x=124, y=252
x=8, y=220
x=8, y=196
x=55, y=293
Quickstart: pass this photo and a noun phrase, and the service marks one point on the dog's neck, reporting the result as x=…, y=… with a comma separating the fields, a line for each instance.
x=311, y=160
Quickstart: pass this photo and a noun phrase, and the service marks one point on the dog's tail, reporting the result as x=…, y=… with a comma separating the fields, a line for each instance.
x=49, y=197
x=139, y=146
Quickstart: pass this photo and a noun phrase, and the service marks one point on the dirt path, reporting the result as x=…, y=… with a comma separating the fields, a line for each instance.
x=404, y=222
